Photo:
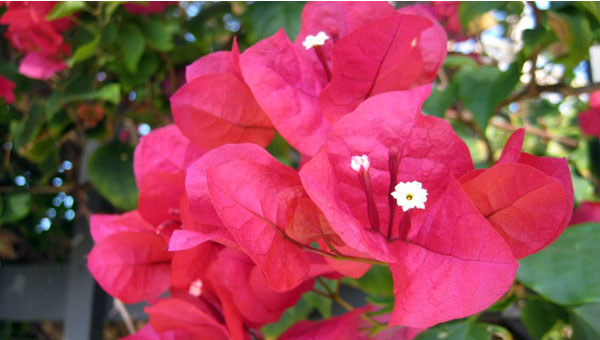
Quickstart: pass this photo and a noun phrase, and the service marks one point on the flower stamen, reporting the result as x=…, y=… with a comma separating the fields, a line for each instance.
x=393, y=170
x=195, y=289
x=361, y=165
x=315, y=40
x=360, y=162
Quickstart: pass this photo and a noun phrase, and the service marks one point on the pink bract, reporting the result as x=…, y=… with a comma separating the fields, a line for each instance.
x=447, y=13
x=186, y=318
x=528, y=199
x=589, y=121
x=103, y=225
x=216, y=107
x=39, y=66
x=260, y=212
x=379, y=57
x=7, y=88
x=343, y=327
x=131, y=266
x=453, y=264
x=200, y=214
x=148, y=333
x=236, y=274
x=586, y=212
x=286, y=88
x=159, y=164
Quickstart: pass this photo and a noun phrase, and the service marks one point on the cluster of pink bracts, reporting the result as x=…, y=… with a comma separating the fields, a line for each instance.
x=41, y=40
x=236, y=237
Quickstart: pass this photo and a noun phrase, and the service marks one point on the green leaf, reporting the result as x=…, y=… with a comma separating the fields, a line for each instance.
x=110, y=7
x=16, y=207
x=592, y=7
x=464, y=330
x=506, y=301
x=377, y=282
x=109, y=34
x=8, y=113
x=299, y=311
x=573, y=31
x=475, y=91
x=110, y=93
x=110, y=168
x=567, y=271
x=263, y=19
x=41, y=149
x=459, y=60
x=539, y=316
x=586, y=322
x=85, y=51
x=535, y=38
x=65, y=8
x=159, y=34
x=131, y=41
x=146, y=69
x=48, y=166
x=481, y=89
x=281, y=150
x=469, y=11
x=440, y=100
x=58, y=124
x=25, y=131
x=321, y=303
x=582, y=188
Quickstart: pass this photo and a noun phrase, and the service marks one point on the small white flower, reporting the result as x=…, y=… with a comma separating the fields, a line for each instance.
x=360, y=162
x=410, y=195
x=315, y=40
x=195, y=288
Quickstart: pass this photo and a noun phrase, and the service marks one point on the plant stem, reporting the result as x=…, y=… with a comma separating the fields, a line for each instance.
x=340, y=257
x=335, y=297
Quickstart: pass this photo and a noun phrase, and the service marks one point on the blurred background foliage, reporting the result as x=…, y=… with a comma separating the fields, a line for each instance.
x=67, y=143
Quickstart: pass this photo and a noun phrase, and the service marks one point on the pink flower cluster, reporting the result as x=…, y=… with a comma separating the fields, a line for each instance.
x=237, y=237
x=41, y=40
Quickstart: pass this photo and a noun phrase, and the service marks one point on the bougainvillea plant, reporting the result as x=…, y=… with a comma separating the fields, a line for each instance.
x=320, y=170
x=237, y=237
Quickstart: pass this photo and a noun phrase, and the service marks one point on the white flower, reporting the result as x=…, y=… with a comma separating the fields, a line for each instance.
x=410, y=195
x=195, y=288
x=315, y=40
x=360, y=162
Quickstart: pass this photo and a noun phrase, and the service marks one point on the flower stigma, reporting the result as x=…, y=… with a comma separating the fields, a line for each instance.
x=315, y=40
x=410, y=195
x=195, y=288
